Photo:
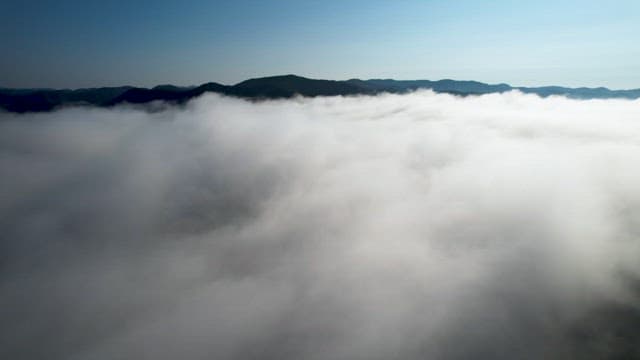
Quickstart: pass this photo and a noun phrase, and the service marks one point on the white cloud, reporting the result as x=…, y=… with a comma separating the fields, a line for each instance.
x=397, y=226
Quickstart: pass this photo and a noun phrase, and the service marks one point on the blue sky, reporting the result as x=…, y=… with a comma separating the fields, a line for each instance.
x=96, y=43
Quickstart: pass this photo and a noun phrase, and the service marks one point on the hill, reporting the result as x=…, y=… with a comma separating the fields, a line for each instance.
x=274, y=87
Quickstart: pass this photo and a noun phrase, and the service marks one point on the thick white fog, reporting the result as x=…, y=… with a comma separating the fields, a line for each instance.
x=417, y=226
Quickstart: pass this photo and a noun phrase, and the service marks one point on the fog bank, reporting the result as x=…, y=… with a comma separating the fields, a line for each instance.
x=417, y=226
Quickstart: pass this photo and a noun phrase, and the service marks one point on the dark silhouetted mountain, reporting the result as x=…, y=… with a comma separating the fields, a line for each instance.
x=24, y=100
x=143, y=95
x=208, y=87
x=447, y=85
x=169, y=87
x=168, y=93
x=290, y=85
x=582, y=93
x=274, y=87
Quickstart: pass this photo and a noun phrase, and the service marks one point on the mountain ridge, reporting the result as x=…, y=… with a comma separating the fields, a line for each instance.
x=275, y=87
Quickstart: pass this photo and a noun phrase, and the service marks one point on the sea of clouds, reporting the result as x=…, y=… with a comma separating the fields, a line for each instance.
x=416, y=226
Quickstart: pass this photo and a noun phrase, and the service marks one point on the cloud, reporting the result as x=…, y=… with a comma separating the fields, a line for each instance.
x=397, y=226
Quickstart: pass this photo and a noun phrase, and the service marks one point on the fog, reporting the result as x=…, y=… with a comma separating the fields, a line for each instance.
x=416, y=226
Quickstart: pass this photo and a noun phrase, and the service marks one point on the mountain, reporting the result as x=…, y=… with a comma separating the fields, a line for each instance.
x=26, y=100
x=168, y=93
x=582, y=92
x=290, y=85
x=274, y=87
x=447, y=85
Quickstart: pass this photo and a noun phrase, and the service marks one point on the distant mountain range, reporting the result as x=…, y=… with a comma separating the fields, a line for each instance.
x=274, y=87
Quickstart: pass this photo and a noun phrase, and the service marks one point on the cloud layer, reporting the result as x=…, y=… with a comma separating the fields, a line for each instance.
x=413, y=226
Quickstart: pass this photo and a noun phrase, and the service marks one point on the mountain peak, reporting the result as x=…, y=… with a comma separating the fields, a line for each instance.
x=272, y=87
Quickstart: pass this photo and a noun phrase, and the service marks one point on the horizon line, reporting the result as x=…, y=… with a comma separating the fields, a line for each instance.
x=515, y=87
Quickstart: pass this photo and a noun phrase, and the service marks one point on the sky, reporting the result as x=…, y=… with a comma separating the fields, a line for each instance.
x=87, y=43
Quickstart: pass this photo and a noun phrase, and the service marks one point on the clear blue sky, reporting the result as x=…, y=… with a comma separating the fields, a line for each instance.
x=79, y=43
